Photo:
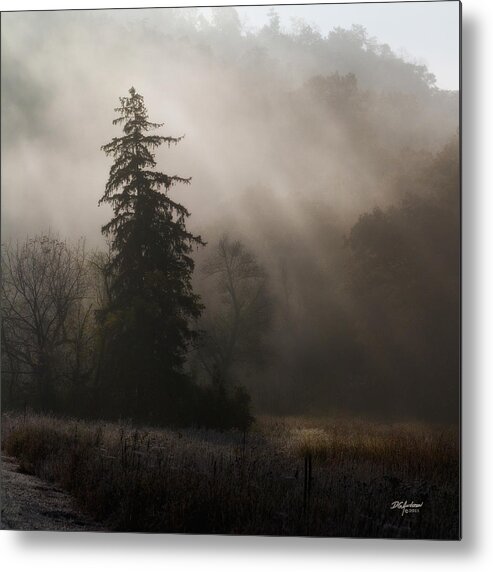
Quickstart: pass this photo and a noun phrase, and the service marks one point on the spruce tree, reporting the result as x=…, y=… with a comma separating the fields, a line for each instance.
x=147, y=324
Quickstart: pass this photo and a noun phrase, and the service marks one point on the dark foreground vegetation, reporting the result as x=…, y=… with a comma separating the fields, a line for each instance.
x=199, y=481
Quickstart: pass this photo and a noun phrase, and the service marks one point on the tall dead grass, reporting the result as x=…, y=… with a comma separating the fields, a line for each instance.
x=200, y=481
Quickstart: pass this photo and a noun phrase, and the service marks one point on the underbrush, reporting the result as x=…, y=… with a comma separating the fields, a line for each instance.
x=284, y=477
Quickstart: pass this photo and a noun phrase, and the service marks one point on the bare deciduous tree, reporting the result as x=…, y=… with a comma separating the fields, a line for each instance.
x=46, y=314
x=236, y=321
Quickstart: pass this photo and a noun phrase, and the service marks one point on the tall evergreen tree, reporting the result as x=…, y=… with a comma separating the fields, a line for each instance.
x=146, y=326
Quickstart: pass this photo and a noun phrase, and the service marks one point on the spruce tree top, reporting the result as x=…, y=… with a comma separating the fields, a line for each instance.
x=147, y=230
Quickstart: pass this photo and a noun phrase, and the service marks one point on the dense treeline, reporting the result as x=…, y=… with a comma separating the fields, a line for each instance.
x=367, y=318
x=377, y=330
x=327, y=279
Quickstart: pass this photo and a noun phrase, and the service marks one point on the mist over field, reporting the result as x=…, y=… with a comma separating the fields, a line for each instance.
x=331, y=160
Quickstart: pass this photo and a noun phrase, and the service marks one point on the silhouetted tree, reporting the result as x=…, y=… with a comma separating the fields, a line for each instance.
x=235, y=324
x=146, y=326
x=46, y=321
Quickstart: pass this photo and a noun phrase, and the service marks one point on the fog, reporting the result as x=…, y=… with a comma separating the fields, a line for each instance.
x=235, y=97
x=289, y=139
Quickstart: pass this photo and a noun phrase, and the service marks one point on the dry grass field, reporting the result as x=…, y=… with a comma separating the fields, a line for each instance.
x=291, y=476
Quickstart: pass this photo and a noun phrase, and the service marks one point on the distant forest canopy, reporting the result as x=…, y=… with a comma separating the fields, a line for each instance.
x=325, y=172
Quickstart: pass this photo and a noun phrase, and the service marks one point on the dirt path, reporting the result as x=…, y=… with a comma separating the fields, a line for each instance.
x=28, y=503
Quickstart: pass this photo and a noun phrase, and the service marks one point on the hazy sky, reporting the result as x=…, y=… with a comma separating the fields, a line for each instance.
x=427, y=32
